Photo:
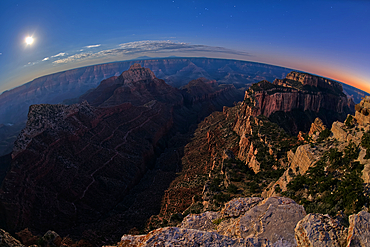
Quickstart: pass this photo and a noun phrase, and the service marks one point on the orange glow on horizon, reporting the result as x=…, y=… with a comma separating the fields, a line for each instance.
x=349, y=79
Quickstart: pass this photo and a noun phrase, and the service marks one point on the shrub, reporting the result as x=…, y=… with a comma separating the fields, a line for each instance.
x=215, y=184
x=324, y=135
x=365, y=143
x=277, y=189
x=348, y=121
x=232, y=189
x=221, y=197
x=217, y=221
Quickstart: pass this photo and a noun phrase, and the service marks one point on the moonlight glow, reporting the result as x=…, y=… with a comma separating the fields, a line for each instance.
x=29, y=40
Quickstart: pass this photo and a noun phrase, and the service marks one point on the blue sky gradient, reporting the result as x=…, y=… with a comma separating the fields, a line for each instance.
x=328, y=38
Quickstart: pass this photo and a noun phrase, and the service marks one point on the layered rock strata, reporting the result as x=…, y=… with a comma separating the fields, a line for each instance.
x=300, y=98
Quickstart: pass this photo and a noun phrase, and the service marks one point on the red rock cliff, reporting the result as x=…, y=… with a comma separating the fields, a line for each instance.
x=294, y=102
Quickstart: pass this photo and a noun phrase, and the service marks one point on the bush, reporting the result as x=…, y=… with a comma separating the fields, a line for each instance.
x=277, y=189
x=348, y=121
x=253, y=187
x=221, y=197
x=324, y=135
x=217, y=221
x=365, y=143
x=232, y=189
x=215, y=184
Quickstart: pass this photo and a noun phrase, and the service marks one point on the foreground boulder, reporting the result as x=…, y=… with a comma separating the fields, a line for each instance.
x=175, y=236
x=273, y=218
x=242, y=222
x=359, y=229
x=322, y=230
x=254, y=221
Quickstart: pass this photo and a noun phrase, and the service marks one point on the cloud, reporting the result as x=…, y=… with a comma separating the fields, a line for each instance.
x=75, y=57
x=92, y=46
x=31, y=63
x=45, y=59
x=1, y=54
x=60, y=54
x=149, y=46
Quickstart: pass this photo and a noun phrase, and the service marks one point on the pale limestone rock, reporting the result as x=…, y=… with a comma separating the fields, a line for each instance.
x=321, y=231
x=359, y=229
x=239, y=206
x=366, y=162
x=8, y=241
x=282, y=183
x=276, y=221
x=316, y=127
x=174, y=236
x=273, y=219
x=362, y=115
x=338, y=131
x=254, y=164
x=302, y=159
x=362, y=119
x=345, y=135
x=203, y=222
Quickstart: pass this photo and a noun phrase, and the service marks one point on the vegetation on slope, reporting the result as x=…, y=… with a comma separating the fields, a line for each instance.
x=333, y=185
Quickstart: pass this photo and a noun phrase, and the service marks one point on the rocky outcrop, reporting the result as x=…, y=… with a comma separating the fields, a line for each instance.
x=303, y=158
x=276, y=221
x=316, y=127
x=362, y=112
x=344, y=134
x=273, y=218
x=359, y=229
x=137, y=85
x=242, y=222
x=298, y=99
x=313, y=81
x=320, y=230
x=204, y=222
x=6, y=240
x=298, y=163
x=174, y=236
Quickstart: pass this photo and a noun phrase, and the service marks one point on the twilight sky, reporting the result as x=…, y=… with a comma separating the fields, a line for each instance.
x=330, y=38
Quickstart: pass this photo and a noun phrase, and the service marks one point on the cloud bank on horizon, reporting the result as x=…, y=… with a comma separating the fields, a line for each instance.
x=136, y=48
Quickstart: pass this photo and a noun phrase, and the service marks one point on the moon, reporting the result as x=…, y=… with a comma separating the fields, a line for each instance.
x=29, y=40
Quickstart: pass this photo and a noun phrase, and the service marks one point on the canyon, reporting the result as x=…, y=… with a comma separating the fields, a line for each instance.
x=69, y=157
x=136, y=154
x=69, y=85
